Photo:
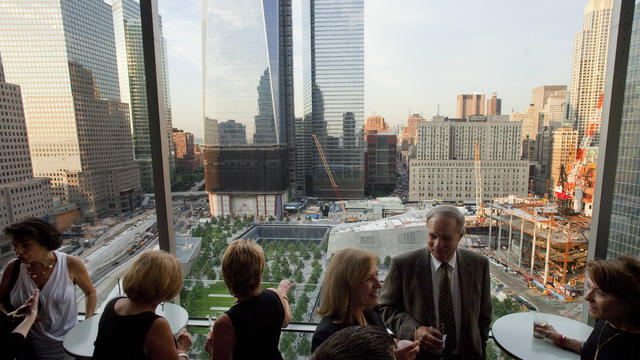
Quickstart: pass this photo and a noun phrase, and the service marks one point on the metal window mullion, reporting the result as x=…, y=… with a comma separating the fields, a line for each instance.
x=152, y=47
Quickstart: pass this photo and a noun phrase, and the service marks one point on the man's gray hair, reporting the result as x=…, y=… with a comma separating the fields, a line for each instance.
x=447, y=211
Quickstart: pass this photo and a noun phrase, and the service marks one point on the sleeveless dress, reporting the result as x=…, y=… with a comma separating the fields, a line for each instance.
x=58, y=309
x=122, y=336
x=257, y=323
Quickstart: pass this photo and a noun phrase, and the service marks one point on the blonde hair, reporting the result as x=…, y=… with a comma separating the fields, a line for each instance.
x=154, y=277
x=242, y=267
x=346, y=268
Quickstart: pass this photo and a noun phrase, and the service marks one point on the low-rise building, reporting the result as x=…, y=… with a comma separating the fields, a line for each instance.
x=444, y=167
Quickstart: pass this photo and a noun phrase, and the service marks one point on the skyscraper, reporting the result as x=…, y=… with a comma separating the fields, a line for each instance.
x=133, y=91
x=21, y=195
x=563, y=154
x=470, y=104
x=333, y=40
x=494, y=105
x=589, y=66
x=185, y=147
x=624, y=229
x=540, y=95
x=375, y=124
x=410, y=132
x=62, y=54
x=248, y=102
x=530, y=119
x=555, y=110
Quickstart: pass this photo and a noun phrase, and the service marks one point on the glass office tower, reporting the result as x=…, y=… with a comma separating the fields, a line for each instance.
x=334, y=94
x=248, y=101
x=624, y=230
x=62, y=54
x=130, y=55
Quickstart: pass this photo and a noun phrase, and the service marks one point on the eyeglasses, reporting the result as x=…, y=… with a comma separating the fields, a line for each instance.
x=591, y=288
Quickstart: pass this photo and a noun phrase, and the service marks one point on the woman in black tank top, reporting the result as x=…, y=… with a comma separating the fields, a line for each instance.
x=129, y=327
x=250, y=329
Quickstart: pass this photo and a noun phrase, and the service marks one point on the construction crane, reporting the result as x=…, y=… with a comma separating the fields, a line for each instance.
x=479, y=205
x=573, y=180
x=331, y=179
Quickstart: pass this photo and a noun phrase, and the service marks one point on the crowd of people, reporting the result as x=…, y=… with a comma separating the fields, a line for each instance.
x=435, y=303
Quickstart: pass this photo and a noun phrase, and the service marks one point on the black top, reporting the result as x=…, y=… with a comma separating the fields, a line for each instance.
x=257, y=323
x=327, y=327
x=12, y=344
x=626, y=345
x=122, y=336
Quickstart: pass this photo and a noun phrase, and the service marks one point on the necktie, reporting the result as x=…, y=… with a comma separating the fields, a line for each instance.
x=445, y=310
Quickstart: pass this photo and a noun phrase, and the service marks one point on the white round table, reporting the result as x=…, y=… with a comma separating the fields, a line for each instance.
x=79, y=341
x=513, y=333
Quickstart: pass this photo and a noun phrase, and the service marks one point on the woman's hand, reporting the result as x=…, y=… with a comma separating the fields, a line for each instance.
x=547, y=331
x=183, y=341
x=284, y=287
x=28, y=310
x=406, y=350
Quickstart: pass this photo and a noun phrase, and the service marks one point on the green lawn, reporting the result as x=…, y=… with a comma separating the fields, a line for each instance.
x=198, y=302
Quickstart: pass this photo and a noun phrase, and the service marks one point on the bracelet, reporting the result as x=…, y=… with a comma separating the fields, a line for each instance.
x=183, y=355
x=561, y=341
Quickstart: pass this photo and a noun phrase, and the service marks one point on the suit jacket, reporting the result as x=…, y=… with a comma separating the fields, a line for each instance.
x=407, y=299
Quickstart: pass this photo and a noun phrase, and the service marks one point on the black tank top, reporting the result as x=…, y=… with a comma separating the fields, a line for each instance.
x=257, y=323
x=122, y=336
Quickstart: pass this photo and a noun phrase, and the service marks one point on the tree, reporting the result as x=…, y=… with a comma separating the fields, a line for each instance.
x=387, y=261
x=298, y=277
x=317, y=253
x=304, y=347
x=265, y=273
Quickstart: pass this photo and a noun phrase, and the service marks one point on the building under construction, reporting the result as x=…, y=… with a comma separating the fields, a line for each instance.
x=529, y=236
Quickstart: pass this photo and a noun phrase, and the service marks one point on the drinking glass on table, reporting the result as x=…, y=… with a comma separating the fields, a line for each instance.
x=540, y=320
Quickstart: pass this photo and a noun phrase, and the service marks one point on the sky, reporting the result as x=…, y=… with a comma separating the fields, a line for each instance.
x=419, y=54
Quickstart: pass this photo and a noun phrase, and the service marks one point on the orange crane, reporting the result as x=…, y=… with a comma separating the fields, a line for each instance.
x=574, y=180
x=333, y=182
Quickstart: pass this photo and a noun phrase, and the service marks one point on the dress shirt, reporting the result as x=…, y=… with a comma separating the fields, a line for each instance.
x=436, y=275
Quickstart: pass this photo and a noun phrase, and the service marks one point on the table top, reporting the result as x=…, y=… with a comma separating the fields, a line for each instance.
x=79, y=341
x=513, y=333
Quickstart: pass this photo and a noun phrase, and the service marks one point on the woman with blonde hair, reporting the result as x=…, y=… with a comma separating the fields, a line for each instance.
x=349, y=297
x=129, y=327
x=250, y=329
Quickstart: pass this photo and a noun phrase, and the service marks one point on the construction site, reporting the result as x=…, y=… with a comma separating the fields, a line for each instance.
x=544, y=240
x=530, y=237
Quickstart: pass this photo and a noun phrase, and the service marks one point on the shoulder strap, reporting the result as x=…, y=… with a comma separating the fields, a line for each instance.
x=15, y=271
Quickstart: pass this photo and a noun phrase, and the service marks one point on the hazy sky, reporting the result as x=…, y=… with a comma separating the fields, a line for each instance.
x=418, y=54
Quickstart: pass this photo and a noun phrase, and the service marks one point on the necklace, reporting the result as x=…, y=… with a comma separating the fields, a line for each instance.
x=35, y=274
x=600, y=346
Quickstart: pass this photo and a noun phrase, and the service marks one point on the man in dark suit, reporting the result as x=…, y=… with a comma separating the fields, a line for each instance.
x=440, y=295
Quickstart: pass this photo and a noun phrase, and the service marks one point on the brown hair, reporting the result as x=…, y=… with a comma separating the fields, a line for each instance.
x=346, y=268
x=242, y=267
x=154, y=277
x=619, y=277
x=357, y=343
x=41, y=231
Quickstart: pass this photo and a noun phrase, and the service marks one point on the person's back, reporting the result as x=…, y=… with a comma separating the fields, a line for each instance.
x=256, y=324
x=122, y=336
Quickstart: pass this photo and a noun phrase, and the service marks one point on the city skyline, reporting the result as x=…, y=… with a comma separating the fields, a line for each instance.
x=404, y=76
